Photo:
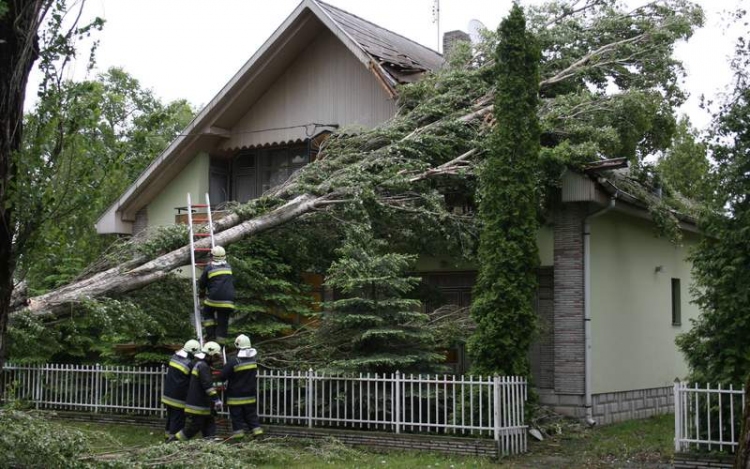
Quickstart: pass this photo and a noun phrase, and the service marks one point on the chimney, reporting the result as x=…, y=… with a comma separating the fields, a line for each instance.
x=451, y=38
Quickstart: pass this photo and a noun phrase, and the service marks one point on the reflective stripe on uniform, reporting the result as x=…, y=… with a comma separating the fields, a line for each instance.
x=217, y=272
x=196, y=410
x=219, y=304
x=181, y=436
x=245, y=366
x=172, y=402
x=211, y=391
x=195, y=372
x=257, y=431
x=208, y=322
x=179, y=366
x=240, y=400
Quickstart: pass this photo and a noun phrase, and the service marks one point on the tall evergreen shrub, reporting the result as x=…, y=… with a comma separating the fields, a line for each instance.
x=508, y=203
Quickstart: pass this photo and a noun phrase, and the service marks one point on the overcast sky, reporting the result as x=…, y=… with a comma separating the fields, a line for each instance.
x=191, y=48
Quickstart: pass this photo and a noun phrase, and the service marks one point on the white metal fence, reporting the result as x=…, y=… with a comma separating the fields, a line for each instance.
x=449, y=405
x=707, y=418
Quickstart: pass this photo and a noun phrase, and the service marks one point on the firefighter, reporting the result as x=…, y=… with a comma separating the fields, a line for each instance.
x=240, y=372
x=202, y=396
x=176, y=387
x=216, y=287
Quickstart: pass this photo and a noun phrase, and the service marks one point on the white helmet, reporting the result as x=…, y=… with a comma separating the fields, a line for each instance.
x=211, y=348
x=192, y=346
x=242, y=342
x=218, y=253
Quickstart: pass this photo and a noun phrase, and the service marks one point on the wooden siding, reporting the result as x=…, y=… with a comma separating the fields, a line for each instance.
x=325, y=84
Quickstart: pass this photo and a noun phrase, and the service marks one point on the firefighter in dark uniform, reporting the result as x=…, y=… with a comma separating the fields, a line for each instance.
x=202, y=396
x=176, y=387
x=216, y=288
x=240, y=372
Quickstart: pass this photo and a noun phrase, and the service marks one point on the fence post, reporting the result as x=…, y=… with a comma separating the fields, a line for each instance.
x=310, y=402
x=162, y=409
x=397, y=402
x=496, y=407
x=98, y=393
x=38, y=386
x=677, y=416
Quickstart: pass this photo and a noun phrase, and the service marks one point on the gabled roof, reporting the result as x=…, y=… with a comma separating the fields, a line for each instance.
x=392, y=58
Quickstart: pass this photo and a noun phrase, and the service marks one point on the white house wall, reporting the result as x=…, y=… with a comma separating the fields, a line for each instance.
x=326, y=84
x=633, y=339
x=193, y=179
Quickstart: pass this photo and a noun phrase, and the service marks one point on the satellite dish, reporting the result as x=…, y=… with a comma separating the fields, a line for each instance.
x=475, y=31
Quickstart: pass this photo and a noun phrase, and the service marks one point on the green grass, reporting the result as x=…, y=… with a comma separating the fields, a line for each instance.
x=111, y=437
x=636, y=444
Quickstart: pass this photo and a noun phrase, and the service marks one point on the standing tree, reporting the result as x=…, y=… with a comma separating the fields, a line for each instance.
x=685, y=165
x=508, y=205
x=114, y=129
x=27, y=181
x=373, y=327
x=715, y=347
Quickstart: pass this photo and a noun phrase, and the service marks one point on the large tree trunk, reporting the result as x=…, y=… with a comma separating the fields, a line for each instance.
x=123, y=279
x=742, y=459
x=18, y=51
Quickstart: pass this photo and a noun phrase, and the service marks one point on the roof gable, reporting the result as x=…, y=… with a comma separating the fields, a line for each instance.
x=392, y=59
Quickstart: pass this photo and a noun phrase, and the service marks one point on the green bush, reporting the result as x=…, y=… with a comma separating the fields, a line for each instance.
x=29, y=441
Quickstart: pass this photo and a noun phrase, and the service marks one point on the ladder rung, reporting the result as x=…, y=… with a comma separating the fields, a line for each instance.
x=199, y=206
x=201, y=264
x=202, y=249
x=199, y=220
x=201, y=235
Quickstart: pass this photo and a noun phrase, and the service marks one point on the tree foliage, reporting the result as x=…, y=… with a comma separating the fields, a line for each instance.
x=715, y=346
x=373, y=326
x=508, y=205
x=685, y=164
x=414, y=176
x=28, y=182
x=112, y=129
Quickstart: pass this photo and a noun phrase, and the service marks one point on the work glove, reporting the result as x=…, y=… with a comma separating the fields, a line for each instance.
x=218, y=405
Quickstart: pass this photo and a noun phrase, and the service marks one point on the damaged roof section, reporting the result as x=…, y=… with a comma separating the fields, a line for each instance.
x=402, y=60
x=616, y=178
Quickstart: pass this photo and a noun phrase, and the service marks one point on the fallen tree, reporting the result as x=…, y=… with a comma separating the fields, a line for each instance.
x=442, y=125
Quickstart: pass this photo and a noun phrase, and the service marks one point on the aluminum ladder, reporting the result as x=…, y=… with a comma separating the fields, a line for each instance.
x=203, y=218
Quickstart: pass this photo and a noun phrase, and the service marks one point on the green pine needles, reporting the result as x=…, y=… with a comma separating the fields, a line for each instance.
x=508, y=205
x=373, y=326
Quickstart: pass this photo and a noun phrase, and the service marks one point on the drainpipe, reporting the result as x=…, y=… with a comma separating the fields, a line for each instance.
x=587, y=304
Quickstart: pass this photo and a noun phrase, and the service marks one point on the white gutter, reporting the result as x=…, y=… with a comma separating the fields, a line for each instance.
x=587, y=305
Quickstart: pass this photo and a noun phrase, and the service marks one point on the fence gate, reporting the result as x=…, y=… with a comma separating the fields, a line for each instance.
x=707, y=418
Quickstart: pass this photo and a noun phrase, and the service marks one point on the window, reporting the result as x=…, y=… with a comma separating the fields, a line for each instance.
x=676, y=310
x=250, y=173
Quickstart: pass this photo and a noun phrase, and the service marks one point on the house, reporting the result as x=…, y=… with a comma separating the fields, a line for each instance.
x=612, y=296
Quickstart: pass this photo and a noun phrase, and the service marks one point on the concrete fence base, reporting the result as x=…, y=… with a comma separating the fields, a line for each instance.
x=702, y=461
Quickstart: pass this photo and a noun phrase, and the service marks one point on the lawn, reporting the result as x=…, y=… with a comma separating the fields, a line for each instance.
x=636, y=444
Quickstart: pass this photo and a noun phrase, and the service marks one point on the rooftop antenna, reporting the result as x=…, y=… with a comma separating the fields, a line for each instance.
x=436, y=20
x=475, y=29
